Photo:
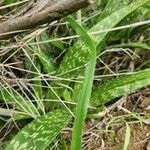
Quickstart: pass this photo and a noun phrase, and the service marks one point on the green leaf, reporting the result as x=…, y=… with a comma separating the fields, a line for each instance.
x=86, y=88
x=112, y=6
x=119, y=87
x=83, y=33
x=46, y=37
x=41, y=132
x=58, y=44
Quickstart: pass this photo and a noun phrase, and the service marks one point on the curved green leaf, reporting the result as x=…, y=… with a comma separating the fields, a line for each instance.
x=112, y=6
x=120, y=86
x=41, y=132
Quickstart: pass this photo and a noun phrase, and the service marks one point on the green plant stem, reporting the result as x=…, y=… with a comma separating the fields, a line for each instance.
x=82, y=105
x=86, y=87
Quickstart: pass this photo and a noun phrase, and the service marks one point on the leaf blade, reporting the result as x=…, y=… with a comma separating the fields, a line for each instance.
x=119, y=87
x=86, y=87
x=41, y=132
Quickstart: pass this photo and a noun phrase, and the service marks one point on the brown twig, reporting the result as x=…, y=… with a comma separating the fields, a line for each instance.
x=44, y=11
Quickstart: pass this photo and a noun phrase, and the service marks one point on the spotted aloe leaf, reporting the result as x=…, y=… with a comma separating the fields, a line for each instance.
x=112, y=6
x=119, y=87
x=79, y=54
x=41, y=132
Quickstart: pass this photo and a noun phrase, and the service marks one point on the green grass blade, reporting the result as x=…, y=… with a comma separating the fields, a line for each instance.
x=37, y=89
x=127, y=137
x=17, y=115
x=86, y=88
x=41, y=132
x=83, y=33
x=119, y=87
x=12, y=97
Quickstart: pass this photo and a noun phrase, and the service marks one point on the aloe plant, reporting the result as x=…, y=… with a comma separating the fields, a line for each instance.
x=79, y=54
x=42, y=131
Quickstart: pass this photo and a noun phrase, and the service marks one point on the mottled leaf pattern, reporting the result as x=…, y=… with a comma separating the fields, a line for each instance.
x=79, y=54
x=41, y=132
x=112, y=6
x=119, y=87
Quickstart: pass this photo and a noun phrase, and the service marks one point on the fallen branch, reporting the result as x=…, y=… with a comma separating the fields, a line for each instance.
x=41, y=12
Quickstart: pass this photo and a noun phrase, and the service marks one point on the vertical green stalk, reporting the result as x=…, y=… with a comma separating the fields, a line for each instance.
x=85, y=93
x=82, y=105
